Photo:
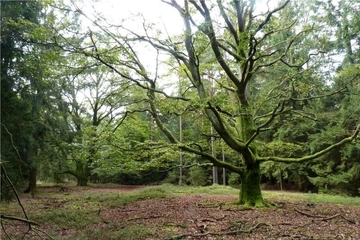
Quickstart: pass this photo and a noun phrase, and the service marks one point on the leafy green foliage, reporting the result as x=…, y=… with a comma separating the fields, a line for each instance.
x=27, y=88
x=197, y=176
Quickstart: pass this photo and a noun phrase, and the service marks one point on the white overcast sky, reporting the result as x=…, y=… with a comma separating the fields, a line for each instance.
x=154, y=11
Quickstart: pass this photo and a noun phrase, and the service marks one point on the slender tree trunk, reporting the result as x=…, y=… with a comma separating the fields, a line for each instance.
x=59, y=177
x=250, y=192
x=213, y=152
x=181, y=155
x=281, y=181
x=223, y=158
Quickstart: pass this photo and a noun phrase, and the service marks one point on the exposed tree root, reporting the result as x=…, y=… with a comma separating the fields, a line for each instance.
x=325, y=218
x=249, y=230
x=285, y=224
x=147, y=217
x=241, y=208
x=208, y=205
x=207, y=220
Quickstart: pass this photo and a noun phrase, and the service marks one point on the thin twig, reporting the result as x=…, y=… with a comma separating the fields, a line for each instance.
x=3, y=228
x=3, y=171
x=37, y=229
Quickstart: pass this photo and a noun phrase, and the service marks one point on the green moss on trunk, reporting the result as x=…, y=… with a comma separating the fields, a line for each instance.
x=250, y=192
x=81, y=181
x=81, y=174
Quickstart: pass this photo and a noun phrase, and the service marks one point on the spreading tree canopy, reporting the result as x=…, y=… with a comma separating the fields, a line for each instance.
x=247, y=71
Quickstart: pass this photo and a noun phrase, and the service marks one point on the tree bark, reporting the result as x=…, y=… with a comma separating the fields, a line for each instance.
x=250, y=191
x=32, y=181
x=81, y=174
x=82, y=181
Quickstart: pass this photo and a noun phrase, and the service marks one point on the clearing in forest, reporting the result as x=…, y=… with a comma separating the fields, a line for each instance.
x=170, y=212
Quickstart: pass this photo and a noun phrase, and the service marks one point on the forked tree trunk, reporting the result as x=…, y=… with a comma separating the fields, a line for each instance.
x=250, y=192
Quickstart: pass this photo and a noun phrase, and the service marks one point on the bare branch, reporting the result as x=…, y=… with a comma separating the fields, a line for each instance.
x=211, y=158
x=267, y=19
x=13, y=145
x=124, y=117
x=228, y=23
x=17, y=219
x=274, y=113
x=236, y=57
x=342, y=90
x=6, y=177
x=240, y=16
x=280, y=58
x=303, y=63
x=277, y=31
x=208, y=30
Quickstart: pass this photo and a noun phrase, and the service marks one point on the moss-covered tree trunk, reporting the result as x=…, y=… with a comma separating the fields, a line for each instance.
x=81, y=174
x=82, y=180
x=250, y=191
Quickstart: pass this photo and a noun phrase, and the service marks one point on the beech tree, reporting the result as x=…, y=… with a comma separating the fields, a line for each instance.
x=246, y=47
x=94, y=98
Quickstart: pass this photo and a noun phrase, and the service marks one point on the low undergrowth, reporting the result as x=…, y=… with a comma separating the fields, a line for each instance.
x=113, y=200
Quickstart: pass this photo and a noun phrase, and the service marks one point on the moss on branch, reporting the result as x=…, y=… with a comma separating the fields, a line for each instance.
x=315, y=155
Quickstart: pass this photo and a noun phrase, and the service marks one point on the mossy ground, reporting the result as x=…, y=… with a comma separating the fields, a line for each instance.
x=166, y=211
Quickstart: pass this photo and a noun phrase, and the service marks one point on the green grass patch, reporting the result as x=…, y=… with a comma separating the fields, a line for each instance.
x=114, y=200
x=214, y=189
x=65, y=219
x=311, y=197
x=217, y=189
x=147, y=193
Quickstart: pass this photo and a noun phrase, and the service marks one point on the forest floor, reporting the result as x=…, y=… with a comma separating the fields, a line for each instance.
x=135, y=212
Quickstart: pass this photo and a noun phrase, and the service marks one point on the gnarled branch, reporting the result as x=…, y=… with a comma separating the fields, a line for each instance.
x=315, y=155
